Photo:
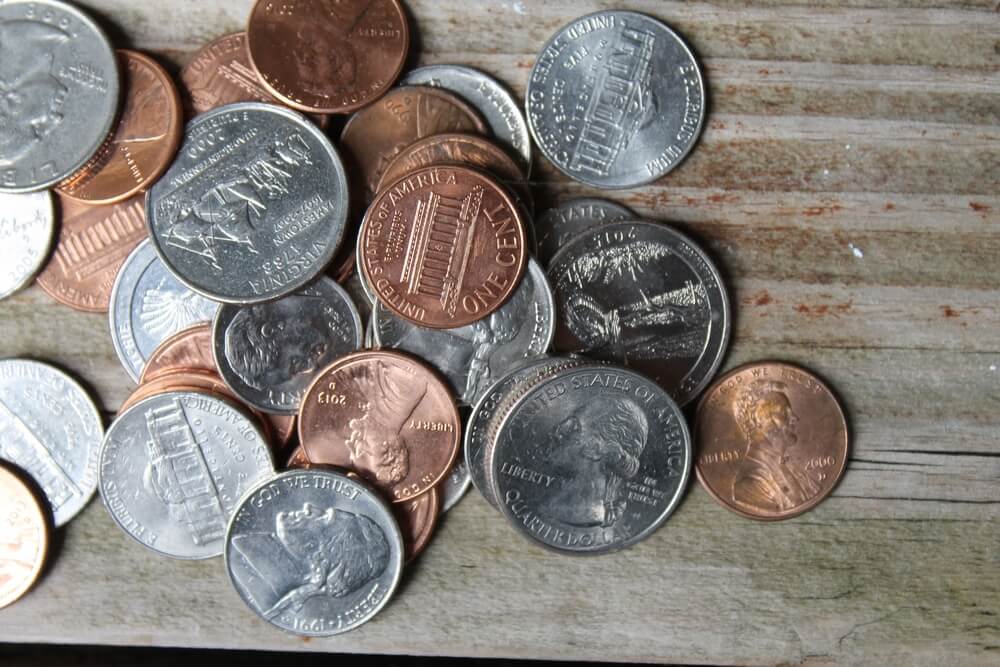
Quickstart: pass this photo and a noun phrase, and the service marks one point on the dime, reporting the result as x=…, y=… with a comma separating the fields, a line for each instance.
x=50, y=427
x=385, y=416
x=455, y=485
x=253, y=208
x=27, y=225
x=189, y=349
x=93, y=243
x=772, y=441
x=417, y=519
x=60, y=85
x=143, y=143
x=173, y=467
x=615, y=99
x=558, y=225
x=24, y=537
x=591, y=460
x=148, y=306
x=269, y=353
x=443, y=247
x=473, y=356
x=645, y=296
x=314, y=552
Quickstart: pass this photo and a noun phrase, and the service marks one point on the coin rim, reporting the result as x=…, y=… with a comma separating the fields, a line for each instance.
x=18, y=475
x=49, y=211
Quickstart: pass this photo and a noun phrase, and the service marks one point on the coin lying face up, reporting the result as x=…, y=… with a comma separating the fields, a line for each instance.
x=555, y=227
x=24, y=537
x=27, y=225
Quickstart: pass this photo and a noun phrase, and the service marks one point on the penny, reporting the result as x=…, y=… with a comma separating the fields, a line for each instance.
x=268, y=353
x=298, y=459
x=443, y=247
x=50, y=427
x=143, y=143
x=376, y=134
x=60, y=84
x=385, y=416
x=179, y=380
x=189, y=349
x=173, y=467
x=148, y=305
x=591, y=460
x=455, y=485
x=93, y=244
x=615, y=99
x=473, y=356
x=645, y=296
x=253, y=208
x=555, y=227
x=417, y=519
x=772, y=441
x=314, y=552
x=24, y=537
x=27, y=225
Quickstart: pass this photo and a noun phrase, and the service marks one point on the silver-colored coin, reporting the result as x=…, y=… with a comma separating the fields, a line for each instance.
x=616, y=99
x=269, y=352
x=148, y=306
x=366, y=286
x=558, y=225
x=254, y=206
x=455, y=485
x=359, y=297
x=174, y=466
x=60, y=89
x=27, y=227
x=370, y=335
x=314, y=552
x=51, y=428
x=645, y=296
x=488, y=96
x=472, y=356
x=591, y=460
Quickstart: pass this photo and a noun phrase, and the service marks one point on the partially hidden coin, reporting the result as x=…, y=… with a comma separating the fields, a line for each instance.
x=189, y=349
x=298, y=458
x=314, y=552
x=454, y=487
x=50, y=427
x=772, y=441
x=27, y=227
x=174, y=466
x=417, y=519
x=555, y=227
x=24, y=537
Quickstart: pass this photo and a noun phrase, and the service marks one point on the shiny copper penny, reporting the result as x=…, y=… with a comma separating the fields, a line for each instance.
x=772, y=441
x=377, y=134
x=143, y=143
x=443, y=247
x=417, y=519
x=24, y=537
x=298, y=459
x=188, y=349
x=385, y=416
x=328, y=57
x=93, y=243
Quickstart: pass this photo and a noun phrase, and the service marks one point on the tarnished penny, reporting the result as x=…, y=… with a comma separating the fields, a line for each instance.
x=772, y=441
x=387, y=417
x=24, y=537
x=189, y=349
x=93, y=244
x=143, y=143
x=417, y=519
x=443, y=247
x=328, y=57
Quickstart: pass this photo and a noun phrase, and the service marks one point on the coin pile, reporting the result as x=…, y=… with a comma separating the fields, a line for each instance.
x=269, y=425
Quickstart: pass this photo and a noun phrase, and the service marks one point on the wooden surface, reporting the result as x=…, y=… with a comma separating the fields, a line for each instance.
x=847, y=181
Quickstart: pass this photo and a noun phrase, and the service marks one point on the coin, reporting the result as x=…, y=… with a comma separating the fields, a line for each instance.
x=298, y=459
x=27, y=225
x=772, y=441
x=24, y=537
x=473, y=356
x=50, y=427
x=148, y=306
x=443, y=247
x=417, y=519
x=385, y=416
x=189, y=349
x=314, y=552
x=328, y=57
x=558, y=225
x=591, y=460
x=269, y=353
x=173, y=467
x=142, y=144
x=253, y=208
x=645, y=296
x=615, y=99
x=455, y=485
x=488, y=96
x=93, y=243
x=60, y=85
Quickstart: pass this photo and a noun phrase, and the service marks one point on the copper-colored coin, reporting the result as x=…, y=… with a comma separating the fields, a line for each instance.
x=443, y=247
x=417, y=519
x=328, y=57
x=180, y=380
x=93, y=243
x=298, y=459
x=374, y=136
x=772, y=441
x=24, y=537
x=144, y=142
x=188, y=349
x=384, y=415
